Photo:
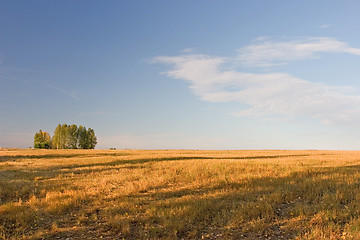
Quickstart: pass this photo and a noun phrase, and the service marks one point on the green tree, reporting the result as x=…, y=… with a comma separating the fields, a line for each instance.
x=91, y=138
x=56, y=139
x=73, y=137
x=61, y=138
x=64, y=135
x=42, y=140
x=82, y=137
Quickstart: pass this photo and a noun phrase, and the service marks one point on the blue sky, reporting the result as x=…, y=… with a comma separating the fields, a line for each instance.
x=183, y=74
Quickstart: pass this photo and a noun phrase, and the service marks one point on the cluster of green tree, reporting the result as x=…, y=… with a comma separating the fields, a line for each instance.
x=42, y=140
x=66, y=137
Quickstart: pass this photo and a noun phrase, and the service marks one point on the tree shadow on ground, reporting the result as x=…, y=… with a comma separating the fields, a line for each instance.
x=59, y=156
x=167, y=159
x=52, y=171
x=242, y=211
x=229, y=210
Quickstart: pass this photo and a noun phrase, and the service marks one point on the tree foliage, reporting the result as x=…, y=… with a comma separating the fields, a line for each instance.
x=42, y=140
x=72, y=137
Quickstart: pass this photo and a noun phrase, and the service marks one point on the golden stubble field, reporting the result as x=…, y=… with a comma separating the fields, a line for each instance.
x=179, y=194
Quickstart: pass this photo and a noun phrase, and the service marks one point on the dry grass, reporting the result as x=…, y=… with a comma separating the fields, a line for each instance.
x=179, y=194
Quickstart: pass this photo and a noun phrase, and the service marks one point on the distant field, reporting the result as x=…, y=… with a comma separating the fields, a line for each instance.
x=179, y=194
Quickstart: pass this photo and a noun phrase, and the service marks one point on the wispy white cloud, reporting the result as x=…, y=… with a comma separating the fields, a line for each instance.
x=58, y=89
x=265, y=52
x=33, y=76
x=272, y=93
x=325, y=26
x=188, y=50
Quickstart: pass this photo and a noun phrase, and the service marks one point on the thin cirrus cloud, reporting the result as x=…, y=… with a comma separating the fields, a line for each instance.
x=325, y=26
x=270, y=53
x=272, y=93
x=30, y=77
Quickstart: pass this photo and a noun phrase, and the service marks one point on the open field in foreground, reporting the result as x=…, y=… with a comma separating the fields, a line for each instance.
x=179, y=194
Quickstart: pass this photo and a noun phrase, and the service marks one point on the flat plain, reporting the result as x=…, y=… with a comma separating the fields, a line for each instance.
x=179, y=194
